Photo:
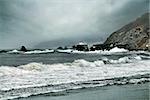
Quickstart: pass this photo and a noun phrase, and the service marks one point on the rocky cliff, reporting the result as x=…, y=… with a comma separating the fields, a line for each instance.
x=135, y=35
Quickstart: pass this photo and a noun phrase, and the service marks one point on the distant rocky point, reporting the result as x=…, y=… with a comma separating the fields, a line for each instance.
x=133, y=36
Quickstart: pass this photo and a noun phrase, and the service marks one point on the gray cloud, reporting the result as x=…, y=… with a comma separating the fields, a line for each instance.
x=30, y=22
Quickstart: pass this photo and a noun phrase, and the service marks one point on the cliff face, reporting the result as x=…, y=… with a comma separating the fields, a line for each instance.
x=136, y=35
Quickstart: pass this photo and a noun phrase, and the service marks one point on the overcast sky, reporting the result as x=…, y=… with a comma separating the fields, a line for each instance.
x=41, y=23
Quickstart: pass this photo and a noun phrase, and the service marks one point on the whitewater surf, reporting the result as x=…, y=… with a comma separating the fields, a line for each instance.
x=37, y=78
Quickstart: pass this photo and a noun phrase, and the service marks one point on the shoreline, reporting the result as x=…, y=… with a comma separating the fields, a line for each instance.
x=115, y=92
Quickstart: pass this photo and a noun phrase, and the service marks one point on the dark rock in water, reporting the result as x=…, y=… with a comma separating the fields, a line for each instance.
x=61, y=48
x=81, y=47
x=65, y=47
x=101, y=47
x=134, y=36
x=3, y=51
x=23, y=48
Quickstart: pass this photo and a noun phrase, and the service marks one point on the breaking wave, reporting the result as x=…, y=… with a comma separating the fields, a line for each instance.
x=127, y=59
x=38, y=78
x=113, y=50
x=31, y=52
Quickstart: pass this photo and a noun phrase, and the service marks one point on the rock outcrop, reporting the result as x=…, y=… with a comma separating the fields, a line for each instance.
x=135, y=35
x=23, y=48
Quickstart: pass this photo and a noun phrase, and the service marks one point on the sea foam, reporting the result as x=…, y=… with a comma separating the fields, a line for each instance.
x=36, y=78
x=113, y=50
x=31, y=52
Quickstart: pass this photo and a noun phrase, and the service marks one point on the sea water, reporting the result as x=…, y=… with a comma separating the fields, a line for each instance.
x=27, y=74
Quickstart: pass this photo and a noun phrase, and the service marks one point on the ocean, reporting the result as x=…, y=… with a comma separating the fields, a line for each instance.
x=23, y=75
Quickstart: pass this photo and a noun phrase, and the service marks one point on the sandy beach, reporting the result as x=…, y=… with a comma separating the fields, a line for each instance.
x=122, y=92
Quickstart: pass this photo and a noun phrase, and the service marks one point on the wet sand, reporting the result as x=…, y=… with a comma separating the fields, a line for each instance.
x=122, y=92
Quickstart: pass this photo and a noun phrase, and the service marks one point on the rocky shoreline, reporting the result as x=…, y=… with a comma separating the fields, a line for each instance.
x=133, y=36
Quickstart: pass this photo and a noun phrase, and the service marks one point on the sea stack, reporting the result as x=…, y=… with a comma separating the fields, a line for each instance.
x=135, y=35
x=23, y=48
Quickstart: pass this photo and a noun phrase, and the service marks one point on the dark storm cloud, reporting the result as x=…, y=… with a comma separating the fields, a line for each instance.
x=30, y=22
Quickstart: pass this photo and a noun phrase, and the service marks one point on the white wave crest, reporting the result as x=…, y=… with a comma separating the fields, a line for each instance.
x=39, y=51
x=38, y=74
x=14, y=51
x=116, y=49
x=113, y=50
x=31, y=52
x=122, y=60
x=33, y=67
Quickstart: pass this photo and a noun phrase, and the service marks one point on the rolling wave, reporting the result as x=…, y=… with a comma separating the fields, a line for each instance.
x=38, y=78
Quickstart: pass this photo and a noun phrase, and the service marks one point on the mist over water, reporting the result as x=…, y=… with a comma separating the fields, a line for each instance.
x=32, y=22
